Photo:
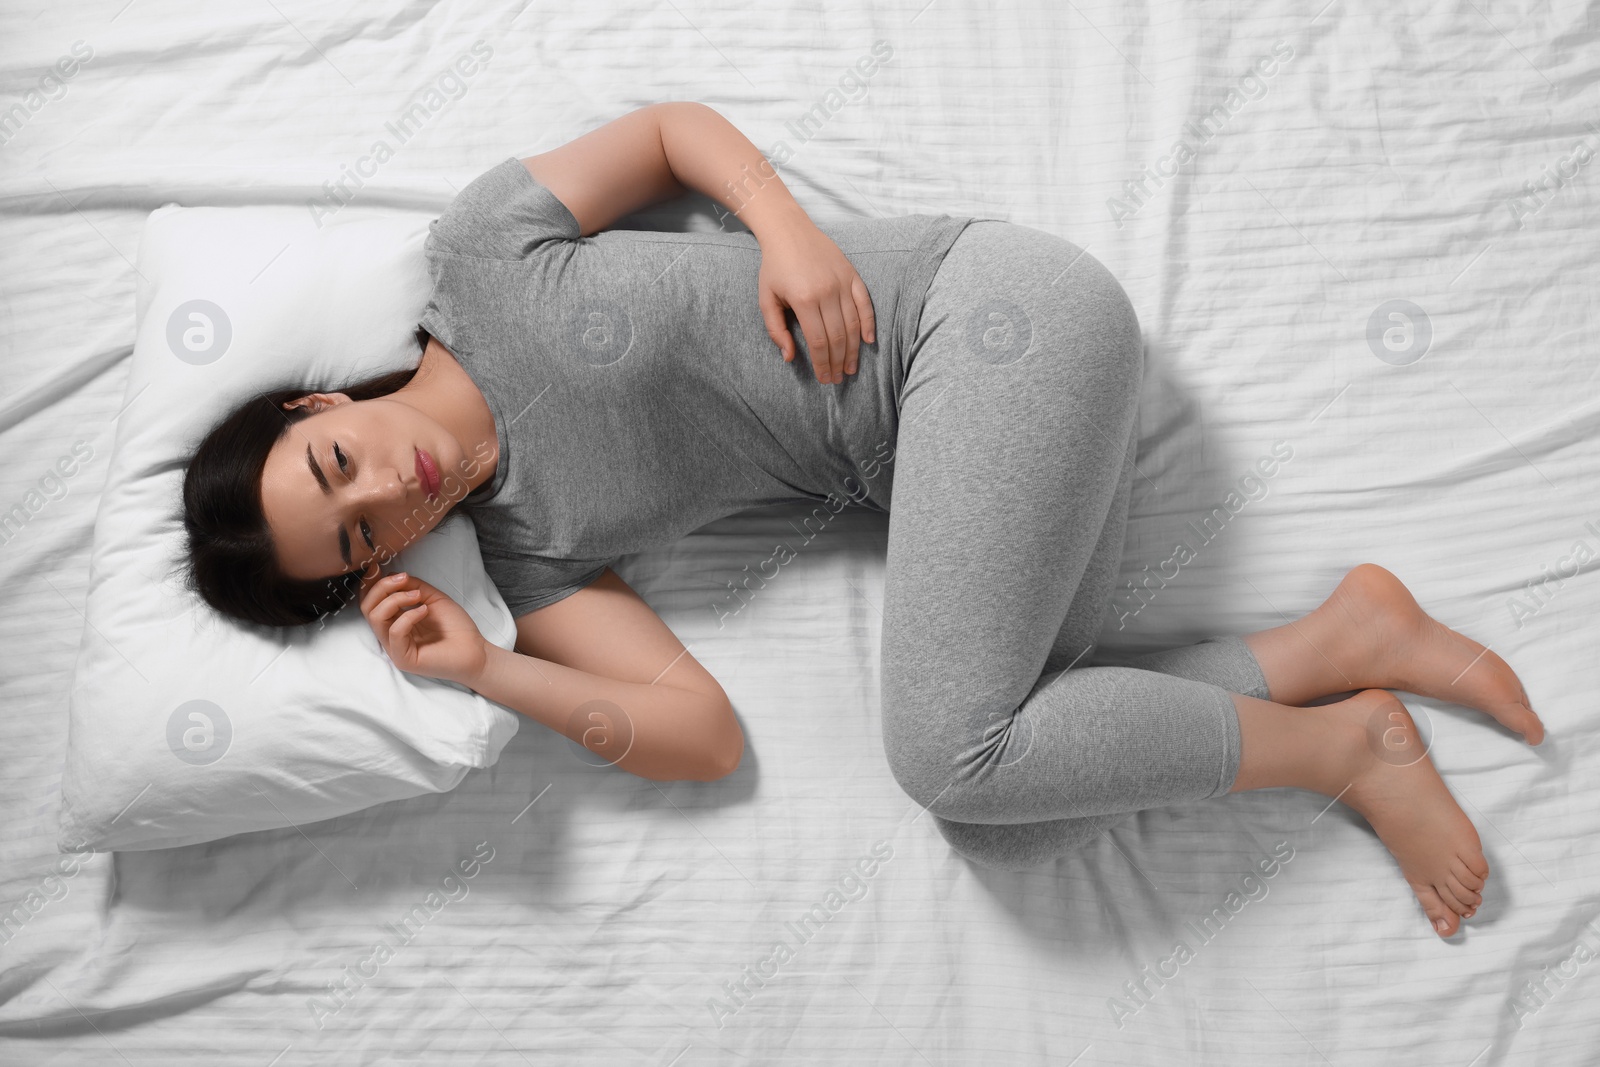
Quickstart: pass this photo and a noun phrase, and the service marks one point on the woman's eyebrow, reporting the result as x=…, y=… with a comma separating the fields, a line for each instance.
x=316, y=472
x=327, y=490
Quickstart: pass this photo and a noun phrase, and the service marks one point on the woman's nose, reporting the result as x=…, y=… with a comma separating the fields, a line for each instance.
x=382, y=486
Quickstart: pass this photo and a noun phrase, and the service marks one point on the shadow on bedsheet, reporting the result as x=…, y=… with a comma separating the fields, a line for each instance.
x=1195, y=488
x=539, y=833
x=1189, y=873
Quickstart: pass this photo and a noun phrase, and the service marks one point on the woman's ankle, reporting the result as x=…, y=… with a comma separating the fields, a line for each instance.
x=1319, y=749
x=1313, y=657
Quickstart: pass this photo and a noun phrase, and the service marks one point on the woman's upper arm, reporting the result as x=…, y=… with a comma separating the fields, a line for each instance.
x=606, y=628
x=611, y=171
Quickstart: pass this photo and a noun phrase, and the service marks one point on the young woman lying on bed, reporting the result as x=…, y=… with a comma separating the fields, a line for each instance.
x=587, y=392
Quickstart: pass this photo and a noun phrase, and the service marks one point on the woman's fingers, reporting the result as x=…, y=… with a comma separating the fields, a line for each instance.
x=816, y=338
x=777, y=324
x=392, y=605
x=375, y=591
x=833, y=332
x=370, y=577
x=863, y=301
x=395, y=634
x=852, y=333
x=834, y=328
x=401, y=630
x=838, y=337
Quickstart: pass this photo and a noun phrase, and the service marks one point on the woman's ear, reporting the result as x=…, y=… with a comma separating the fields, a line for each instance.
x=316, y=401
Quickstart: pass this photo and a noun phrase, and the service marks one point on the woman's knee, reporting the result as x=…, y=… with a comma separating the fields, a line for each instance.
x=920, y=761
x=940, y=739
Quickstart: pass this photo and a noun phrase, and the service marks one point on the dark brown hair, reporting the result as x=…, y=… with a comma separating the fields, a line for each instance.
x=231, y=559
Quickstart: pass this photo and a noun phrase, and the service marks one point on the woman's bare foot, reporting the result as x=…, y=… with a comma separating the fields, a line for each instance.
x=1394, y=785
x=1404, y=647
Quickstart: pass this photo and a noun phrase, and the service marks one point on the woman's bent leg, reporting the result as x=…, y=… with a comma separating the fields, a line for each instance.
x=1225, y=662
x=1329, y=750
x=1370, y=634
x=1015, y=427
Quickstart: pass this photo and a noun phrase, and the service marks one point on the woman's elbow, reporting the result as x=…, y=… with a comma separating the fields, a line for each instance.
x=724, y=751
x=702, y=752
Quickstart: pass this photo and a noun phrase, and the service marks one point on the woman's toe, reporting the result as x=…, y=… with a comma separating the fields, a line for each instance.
x=1445, y=921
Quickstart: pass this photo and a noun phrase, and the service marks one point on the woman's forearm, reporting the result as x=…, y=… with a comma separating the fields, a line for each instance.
x=708, y=154
x=655, y=731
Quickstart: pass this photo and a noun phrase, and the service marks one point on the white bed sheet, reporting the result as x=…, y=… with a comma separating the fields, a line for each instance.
x=1383, y=161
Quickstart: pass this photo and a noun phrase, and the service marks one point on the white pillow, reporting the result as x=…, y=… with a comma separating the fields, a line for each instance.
x=186, y=726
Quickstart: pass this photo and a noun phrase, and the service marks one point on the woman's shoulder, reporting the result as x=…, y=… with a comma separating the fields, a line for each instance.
x=503, y=213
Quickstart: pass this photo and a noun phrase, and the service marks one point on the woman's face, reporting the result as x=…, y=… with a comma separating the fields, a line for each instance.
x=343, y=487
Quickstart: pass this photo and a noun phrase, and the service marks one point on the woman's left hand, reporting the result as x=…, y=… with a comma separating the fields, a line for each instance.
x=803, y=270
x=423, y=631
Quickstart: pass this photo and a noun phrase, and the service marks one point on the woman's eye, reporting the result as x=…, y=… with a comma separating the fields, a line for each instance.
x=339, y=458
x=366, y=533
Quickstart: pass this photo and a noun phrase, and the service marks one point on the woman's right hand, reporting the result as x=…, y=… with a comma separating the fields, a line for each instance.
x=804, y=271
x=423, y=631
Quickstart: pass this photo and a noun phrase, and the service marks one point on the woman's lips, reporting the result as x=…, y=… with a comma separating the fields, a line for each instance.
x=428, y=474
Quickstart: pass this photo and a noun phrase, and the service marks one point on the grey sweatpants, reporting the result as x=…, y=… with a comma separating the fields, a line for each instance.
x=1013, y=465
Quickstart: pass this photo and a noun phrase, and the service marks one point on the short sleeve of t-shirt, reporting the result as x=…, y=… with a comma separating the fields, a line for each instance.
x=503, y=213
x=528, y=583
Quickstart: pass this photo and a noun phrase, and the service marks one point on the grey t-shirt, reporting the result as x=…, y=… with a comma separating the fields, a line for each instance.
x=635, y=391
